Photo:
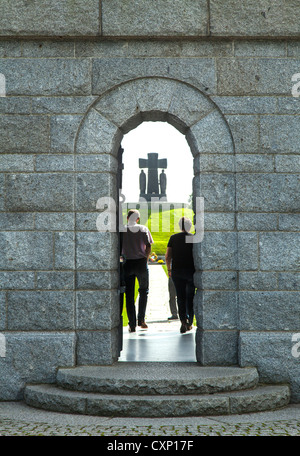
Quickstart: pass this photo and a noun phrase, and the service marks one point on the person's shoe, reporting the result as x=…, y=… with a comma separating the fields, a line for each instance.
x=131, y=329
x=143, y=325
x=189, y=326
x=173, y=317
x=183, y=327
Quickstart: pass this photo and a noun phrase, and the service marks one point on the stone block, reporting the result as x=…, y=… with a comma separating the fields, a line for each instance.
x=254, y=163
x=98, y=163
x=218, y=191
x=15, y=105
x=245, y=131
x=10, y=49
x=244, y=76
x=287, y=163
x=259, y=48
x=40, y=310
x=26, y=250
x=97, y=347
x=216, y=348
x=255, y=281
x=289, y=281
x=217, y=251
x=216, y=310
x=288, y=105
x=63, y=132
x=271, y=353
x=279, y=252
x=254, y=18
x=53, y=163
x=61, y=105
x=289, y=222
x=154, y=18
x=247, y=251
x=16, y=162
x=98, y=135
x=51, y=221
x=38, y=49
x=44, y=18
x=214, y=163
x=86, y=221
x=46, y=77
x=216, y=280
x=198, y=72
x=267, y=192
x=269, y=310
x=15, y=137
x=64, y=256
x=2, y=192
x=2, y=310
x=96, y=310
x=100, y=280
x=246, y=105
x=285, y=135
x=92, y=186
x=256, y=222
x=218, y=221
x=188, y=106
x=16, y=221
x=210, y=136
x=96, y=251
x=40, y=192
x=26, y=361
x=10, y=280
x=55, y=280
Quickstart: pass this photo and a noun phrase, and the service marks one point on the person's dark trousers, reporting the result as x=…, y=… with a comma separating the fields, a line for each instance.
x=136, y=269
x=185, y=290
x=172, y=298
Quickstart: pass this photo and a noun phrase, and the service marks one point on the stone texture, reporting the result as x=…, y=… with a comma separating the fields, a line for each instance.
x=26, y=361
x=44, y=77
x=40, y=192
x=255, y=281
x=278, y=251
x=154, y=18
x=55, y=280
x=287, y=163
x=15, y=221
x=54, y=163
x=64, y=256
x=217, y=251
x=271, y=352
x=254, y=18
x=40, y=310
x=10, y=280
x=95, y=310
x=95, y=280
x=26, y=250
x=218, y=280
x=260, y=76
x=248, y=251
x=63, y=132
x=216, y=348
x=216, y=309
x=269, y=311
x=200, y=73
x=218, y=191
x=289, y=281
x=13, y=140
x=256, y=221
x=96, y=251
x=284, y=139
x=97, y=347
x=53, y=18
x=245, y=132
x=16, y=162
x=92, y=186
x=267, y=192
x=56, y=221
x=2, y=310
x=247, y=104
x=289, y=222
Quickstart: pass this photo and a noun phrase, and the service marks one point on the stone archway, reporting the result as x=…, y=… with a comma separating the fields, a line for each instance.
x=113, y=114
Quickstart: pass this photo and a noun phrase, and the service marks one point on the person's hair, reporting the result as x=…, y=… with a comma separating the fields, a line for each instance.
x=185, y=224
x=133, y=215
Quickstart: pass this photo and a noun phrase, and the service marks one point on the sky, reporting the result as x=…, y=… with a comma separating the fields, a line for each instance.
x=169, y=143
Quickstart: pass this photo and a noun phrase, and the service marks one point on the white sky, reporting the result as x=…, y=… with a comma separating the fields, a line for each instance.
x=169, y=143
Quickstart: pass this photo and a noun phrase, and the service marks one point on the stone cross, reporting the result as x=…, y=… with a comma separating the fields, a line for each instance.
x=153, y=163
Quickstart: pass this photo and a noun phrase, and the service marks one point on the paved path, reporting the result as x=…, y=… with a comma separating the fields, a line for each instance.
x=162, y=340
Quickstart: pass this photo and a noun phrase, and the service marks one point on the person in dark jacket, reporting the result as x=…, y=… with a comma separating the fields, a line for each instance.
x=180, y=264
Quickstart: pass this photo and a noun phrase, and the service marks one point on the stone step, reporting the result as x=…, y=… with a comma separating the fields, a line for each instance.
x=156, y=378
x=53, y=398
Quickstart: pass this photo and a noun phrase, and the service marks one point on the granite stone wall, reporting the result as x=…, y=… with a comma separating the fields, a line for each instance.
x=79, y=75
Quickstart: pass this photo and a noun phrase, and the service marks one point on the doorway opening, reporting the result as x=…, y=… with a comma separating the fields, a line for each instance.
x=156, y=177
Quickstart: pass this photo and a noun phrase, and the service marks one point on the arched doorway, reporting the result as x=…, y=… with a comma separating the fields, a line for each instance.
x=112, y=115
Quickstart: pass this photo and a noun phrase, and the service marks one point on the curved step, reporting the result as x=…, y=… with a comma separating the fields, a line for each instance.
x=156, y=378
x=263, y=398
